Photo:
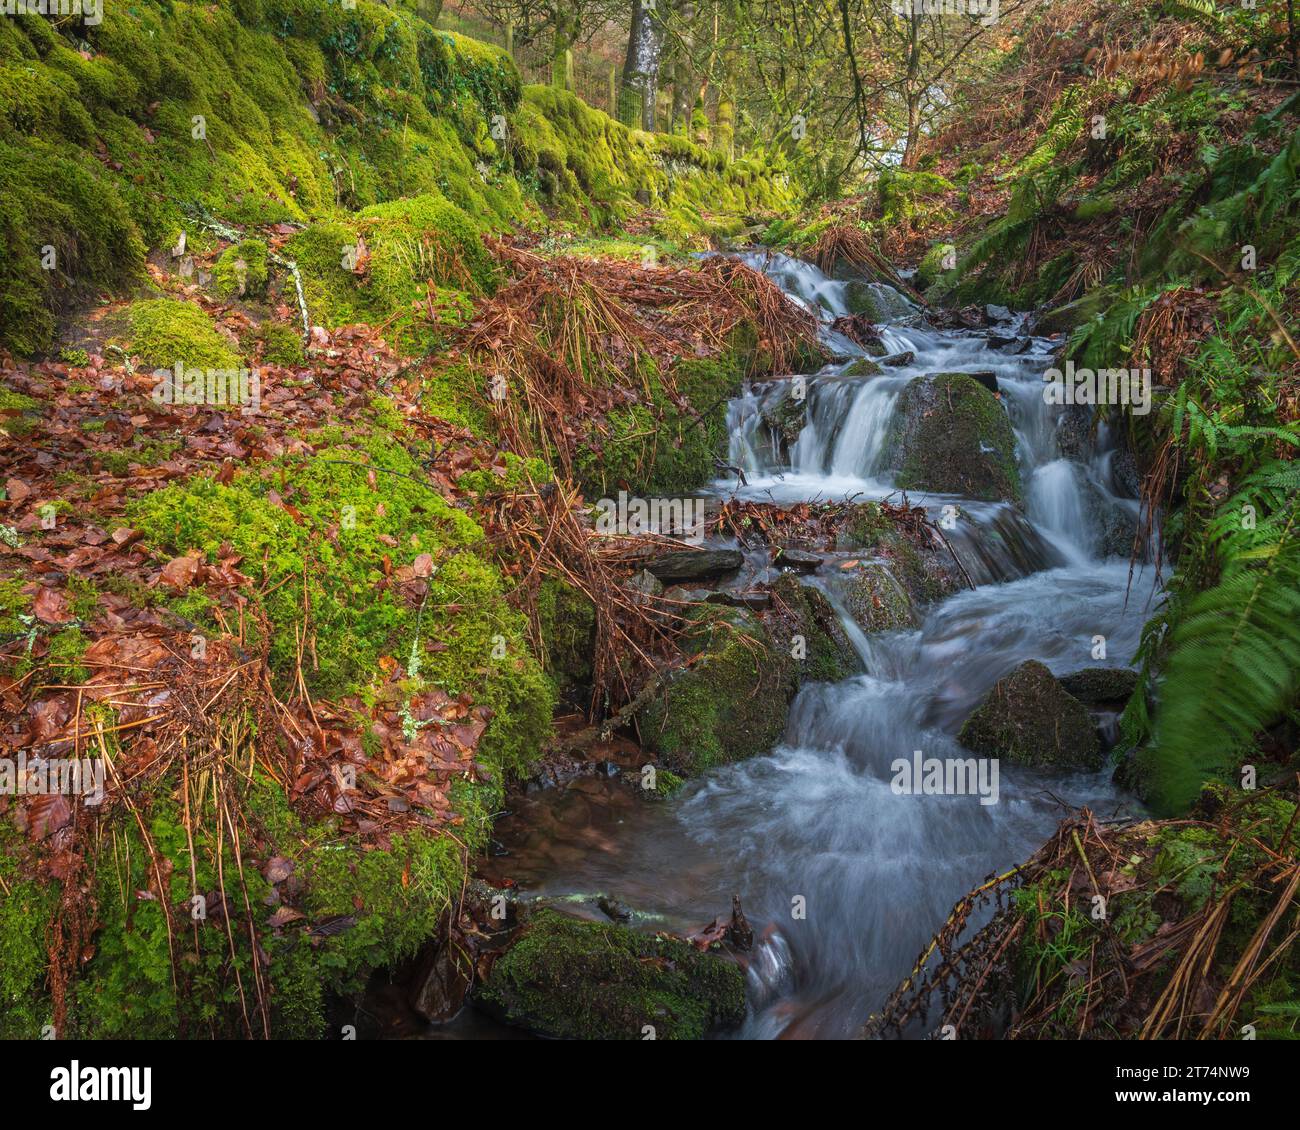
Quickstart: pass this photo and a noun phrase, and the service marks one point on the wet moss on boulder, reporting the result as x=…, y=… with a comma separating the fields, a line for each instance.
x=571, y=979
x=802, y=611
x=1030, y=719
x=730, y=703
x=950, y=435
x=879, y=602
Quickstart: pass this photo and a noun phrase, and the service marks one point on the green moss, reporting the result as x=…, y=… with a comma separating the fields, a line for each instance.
x=1029, y=718
x=878, y=602
x=165, y=332
x=728, y=704
x=663, y=449
x=951, y=435
x=803, y=612
x=408, y=245
x=568, y=624
x=27, y=908
x=275, y=344
x=599, y=981
x=241, y=271
x=350, y=532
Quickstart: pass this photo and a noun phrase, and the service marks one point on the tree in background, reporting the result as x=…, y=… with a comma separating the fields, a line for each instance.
x=562, y=24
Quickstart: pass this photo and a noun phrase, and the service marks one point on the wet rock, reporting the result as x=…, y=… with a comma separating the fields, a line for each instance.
x=644, y=583
x=786, y=420
x=862, y=367
x=695, y=564
x=996, y=313
x=1029, y=718
x=570, y=979
x=1116, y=524
x=1074, y=433
x=1125, y=478
x=951, y=435
x=987, y=377
x=729, y=704
x=1062, y=319
x=798, y=559
x=755, y=599
x=440, y=984
x=613, y=909
x=878, y=602
x=897, y=360
x=732, y=701
x=1002, y=341
x=826, y=654
x=860, y=298
x=1102, y=686
x=967, y=318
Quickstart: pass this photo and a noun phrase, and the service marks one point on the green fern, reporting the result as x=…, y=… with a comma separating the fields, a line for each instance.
x=1233, y=662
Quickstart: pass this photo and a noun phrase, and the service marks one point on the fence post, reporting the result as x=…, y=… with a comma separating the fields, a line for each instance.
x=613, y=90
x=510, y=39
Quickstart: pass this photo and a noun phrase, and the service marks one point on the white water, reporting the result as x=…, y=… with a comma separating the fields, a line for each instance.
x=816, y=822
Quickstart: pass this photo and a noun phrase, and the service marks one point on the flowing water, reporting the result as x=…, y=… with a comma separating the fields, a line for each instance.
x=815, y=824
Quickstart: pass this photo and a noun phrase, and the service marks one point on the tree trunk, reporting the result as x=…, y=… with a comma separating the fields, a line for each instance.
x=913, y=91
x=565, y=35
x=645, y=42
x=724, y=121
x=683, y=79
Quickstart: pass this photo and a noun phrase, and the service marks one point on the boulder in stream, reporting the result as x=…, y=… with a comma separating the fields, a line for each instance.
x=1031, y=719
x=680, y=565
x=571, y=979
x=1102, y=686
x=878, y=601
x=732, y=701
x=951, y=435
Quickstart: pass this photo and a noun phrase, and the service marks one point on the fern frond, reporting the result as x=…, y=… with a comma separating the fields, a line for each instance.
x=1233, y=665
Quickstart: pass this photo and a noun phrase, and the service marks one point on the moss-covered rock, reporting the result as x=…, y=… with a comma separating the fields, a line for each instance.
x=802, y=612
x=164, y=332
x=1102, y=685
x=730, y=703
x=1029, y=718
x=345, y=533
x=878, y=602
x=578, y=980
x=665, y=448
x=241, y=270
x=951, y=435
x=1063, y=319
x=568, y=624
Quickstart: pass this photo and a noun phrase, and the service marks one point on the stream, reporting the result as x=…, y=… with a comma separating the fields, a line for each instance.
x=815, y=823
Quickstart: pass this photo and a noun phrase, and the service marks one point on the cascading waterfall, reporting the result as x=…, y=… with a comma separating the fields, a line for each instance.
x=843, y=879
